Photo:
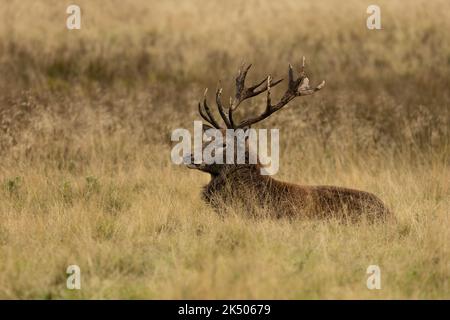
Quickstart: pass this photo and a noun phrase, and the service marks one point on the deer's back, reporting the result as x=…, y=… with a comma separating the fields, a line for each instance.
x=291, y=200
x=331, y=201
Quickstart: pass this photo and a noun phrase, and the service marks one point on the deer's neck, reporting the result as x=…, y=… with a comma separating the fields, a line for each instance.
x=244, y=178
x=241, y=172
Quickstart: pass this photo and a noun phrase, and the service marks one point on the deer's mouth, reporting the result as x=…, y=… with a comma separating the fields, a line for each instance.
x=188, y=161
x=200, y=166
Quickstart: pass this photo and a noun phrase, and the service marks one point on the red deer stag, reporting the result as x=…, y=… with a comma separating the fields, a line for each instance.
x=245, y=185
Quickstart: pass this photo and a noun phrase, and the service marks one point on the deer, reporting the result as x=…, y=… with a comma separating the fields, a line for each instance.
x=244, y=185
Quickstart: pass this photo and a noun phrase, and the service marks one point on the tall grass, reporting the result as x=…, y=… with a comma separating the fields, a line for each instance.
x=86, y=176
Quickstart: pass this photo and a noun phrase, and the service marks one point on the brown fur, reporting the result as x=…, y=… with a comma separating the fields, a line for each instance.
x=243, y=184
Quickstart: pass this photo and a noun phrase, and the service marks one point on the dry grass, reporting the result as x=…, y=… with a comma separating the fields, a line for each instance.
x=85, y=122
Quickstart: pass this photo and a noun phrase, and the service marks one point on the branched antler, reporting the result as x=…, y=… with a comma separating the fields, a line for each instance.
x=206, y=113
x=296, y=88
x=243, y=93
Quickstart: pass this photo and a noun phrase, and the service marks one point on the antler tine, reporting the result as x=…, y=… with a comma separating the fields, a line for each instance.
x=303, y=65
x=296, y=87
x=220, y=107
x=308, y=91
x=258, y=84
x=255, y=93
x=291, y=74
x=269, y=100
x=202, y=113
x=240, y=85
x=243, y=93
x=208, y=116
x=201, y=108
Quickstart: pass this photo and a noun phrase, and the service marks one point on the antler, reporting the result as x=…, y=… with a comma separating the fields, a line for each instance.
x=296, y=87
x=243, y=93
x=205, y=112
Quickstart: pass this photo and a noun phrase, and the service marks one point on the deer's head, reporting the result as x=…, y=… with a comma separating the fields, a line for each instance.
x=227, y=148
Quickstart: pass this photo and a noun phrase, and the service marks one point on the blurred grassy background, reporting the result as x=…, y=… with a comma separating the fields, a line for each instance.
x=385, y=89
x=85, y=123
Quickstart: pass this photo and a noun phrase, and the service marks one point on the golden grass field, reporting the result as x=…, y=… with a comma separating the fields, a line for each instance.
x=86, y=176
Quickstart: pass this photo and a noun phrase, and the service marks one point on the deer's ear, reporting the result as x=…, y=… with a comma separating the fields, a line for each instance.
x=206, y=127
